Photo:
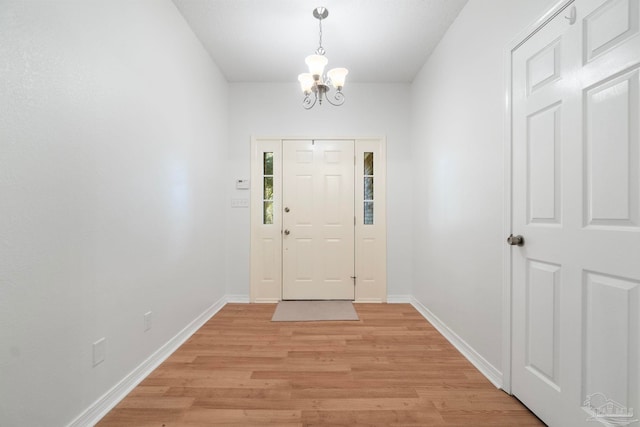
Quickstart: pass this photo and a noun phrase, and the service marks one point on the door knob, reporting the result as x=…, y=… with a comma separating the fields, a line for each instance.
x=286, y=209
x=515, y=240
x=287, y=232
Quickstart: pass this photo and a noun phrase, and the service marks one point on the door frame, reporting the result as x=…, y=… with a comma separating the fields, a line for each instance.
x=507, y=277
x=266, y=239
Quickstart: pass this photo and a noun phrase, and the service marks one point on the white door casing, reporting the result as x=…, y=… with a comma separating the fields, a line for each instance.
x=318, y=220
x=368, y=247
x=576, y=200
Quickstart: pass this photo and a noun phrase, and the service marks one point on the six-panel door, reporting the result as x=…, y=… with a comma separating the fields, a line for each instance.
x=576, y=201
x=318, y=219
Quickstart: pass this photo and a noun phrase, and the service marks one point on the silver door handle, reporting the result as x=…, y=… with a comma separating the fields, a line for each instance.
x=572, y=16
x=287, y=232
x=515, y=240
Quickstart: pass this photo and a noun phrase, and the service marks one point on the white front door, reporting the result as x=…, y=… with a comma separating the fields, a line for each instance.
x=576, y=202
x=318, y=219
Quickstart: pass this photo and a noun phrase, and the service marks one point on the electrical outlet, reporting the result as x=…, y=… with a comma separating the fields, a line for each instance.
x=147, y=321
x=99, y=351
x=239, y=203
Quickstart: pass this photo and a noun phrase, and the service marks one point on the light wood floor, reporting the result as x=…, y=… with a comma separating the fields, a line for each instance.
x=390, y=368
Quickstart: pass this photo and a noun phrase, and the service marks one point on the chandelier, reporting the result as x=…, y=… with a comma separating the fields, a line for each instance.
x=315, y=84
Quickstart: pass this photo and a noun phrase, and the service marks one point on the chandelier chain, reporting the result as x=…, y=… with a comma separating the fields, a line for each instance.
x=320, y=50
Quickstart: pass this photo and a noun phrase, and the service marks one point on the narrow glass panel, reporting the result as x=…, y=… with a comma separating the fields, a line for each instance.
x=268, y=188
x=368, y=188
x=368, y=163
x=368, y=213
x=267, y=164
x=268, y=213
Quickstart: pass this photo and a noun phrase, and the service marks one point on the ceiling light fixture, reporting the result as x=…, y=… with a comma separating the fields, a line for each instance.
x=315, y=84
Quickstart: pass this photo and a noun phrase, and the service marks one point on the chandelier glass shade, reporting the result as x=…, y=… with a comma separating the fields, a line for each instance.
x=315, y=84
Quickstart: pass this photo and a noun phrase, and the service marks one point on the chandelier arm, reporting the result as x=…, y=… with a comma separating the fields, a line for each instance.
x=338, y=98
x=307, y=103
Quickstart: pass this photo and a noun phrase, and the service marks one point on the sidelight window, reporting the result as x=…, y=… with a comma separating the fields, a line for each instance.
x=267, y=188
x=368, y=188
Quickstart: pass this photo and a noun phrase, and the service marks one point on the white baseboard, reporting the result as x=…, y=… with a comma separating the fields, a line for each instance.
x=111, y=398
x=238, y=299
x=399, y=299
x=486, y=368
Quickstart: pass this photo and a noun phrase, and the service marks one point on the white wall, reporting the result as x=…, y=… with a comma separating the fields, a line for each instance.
x=275, y=109
x=113, y=126
x=458, y=113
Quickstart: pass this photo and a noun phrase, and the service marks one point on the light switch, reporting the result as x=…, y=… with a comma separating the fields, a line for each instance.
x=239, y=203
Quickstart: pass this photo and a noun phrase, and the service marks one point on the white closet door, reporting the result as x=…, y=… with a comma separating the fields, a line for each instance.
x=576, y=202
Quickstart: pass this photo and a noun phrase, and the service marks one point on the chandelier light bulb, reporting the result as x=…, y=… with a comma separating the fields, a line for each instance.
x=337, y=77
x=316, y=64
x=306, y=82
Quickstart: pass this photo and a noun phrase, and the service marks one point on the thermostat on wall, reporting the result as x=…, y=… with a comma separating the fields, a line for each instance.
x=242, y=184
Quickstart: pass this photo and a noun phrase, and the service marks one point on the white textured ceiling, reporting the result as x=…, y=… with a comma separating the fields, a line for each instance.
x=267, y=40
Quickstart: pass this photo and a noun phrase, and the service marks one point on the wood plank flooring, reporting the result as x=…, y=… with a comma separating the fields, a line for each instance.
x=390, y=368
